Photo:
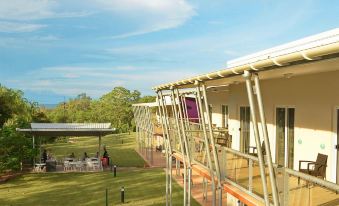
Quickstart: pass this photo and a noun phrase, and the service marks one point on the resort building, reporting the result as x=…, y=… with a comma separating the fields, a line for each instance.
x=265, y=129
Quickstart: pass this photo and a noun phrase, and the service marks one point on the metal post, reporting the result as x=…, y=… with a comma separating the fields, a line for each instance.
x=207, y=143
x=33, y=139
x=106, y=197
x=99, y=156
x=176, y=117
x=164, y=136
x=250, y=175
x=266, y=141
x=247, y=76
x=286, y=189
x=215, y=155
x=115, y=170
x=223, y=163
x=122, y=194
x=168, y=149
x=180, y=112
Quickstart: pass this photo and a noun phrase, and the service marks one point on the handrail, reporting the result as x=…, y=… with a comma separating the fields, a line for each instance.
x=310, y=178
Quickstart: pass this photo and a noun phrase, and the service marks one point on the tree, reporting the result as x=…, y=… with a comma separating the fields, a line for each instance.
x=16, y=112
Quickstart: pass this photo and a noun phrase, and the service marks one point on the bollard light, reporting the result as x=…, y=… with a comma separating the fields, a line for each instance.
x=106, y=197
x=115, y=170
x=122, y=194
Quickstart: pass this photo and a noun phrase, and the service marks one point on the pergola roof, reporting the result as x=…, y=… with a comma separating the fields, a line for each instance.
x=69, y=129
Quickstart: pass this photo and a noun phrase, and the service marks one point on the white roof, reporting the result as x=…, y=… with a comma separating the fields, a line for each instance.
x=324, y=38
x=154, y=104
x=70, y=125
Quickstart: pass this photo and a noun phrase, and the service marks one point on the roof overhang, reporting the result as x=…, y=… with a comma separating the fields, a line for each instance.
x=69, y=129
x=314, y=49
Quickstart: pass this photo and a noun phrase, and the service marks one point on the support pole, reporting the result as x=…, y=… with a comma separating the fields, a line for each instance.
x=33, y=139
x=187, y=151
x=215, y=155
x=207, y=144
x=176, y=117
x=168, y=149
x=247, y=76
x=266, y=141
x=100, y=165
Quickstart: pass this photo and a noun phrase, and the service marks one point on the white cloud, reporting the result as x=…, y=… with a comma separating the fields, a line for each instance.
x=151, y=16
x=95, y=81
x=142, y=16
x=24, y=10
x=11, y=27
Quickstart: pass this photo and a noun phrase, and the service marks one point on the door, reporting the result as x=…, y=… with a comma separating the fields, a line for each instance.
x=224, y=112
x=285, y=136
x=337, y=146
x=244, y=129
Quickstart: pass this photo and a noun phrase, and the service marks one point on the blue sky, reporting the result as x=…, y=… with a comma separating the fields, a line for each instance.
x=56, y=49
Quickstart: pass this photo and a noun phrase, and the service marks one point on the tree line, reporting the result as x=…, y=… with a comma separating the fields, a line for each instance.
x=17, y=112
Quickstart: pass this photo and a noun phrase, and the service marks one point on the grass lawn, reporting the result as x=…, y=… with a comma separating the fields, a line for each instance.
x=122, y=154
x=143, y=186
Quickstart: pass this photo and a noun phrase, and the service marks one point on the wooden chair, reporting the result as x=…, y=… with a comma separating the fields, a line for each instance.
x=318, y=168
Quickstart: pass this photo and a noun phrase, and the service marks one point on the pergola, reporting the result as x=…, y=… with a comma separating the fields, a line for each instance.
x=69, y=129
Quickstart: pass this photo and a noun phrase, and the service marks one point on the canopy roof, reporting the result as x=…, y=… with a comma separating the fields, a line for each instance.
x=311, y=49
x=69, y=129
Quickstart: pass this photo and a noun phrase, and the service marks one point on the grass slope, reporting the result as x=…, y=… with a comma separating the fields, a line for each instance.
x=143, y=186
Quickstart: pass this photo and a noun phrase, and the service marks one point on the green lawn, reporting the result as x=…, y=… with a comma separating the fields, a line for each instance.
x=119, y=147
x=143, y=186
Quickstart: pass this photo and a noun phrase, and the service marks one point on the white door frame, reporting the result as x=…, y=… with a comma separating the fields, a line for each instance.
x=334, y=142
x=286, y=132
x=250, y=125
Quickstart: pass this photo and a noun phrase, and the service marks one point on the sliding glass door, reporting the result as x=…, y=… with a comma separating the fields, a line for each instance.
x=285, y=136
x=244, y=129
x=224, y=112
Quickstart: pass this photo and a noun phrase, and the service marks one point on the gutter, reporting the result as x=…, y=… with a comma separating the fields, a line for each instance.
x=283, y=60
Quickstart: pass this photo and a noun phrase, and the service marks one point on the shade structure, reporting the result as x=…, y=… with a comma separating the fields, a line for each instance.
x=69, y=129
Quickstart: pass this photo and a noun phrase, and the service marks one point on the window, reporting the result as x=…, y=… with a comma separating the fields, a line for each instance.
x=224, y=113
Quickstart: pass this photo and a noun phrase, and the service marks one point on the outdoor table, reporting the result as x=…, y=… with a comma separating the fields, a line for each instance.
x=39, y=167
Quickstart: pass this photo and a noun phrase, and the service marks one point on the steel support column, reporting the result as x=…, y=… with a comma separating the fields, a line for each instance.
x=247, y=76
x=214, y=152
x=266, y=141
x=206, y=141
x=168, y=151
x=186, y=149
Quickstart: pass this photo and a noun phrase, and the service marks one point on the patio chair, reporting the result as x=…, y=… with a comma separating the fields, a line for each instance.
x=79, y=166
x=67, y=166
x=317, y=168
x=254, y=151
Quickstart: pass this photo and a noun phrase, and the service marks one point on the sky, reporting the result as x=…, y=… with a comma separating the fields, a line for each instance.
x=53, y=50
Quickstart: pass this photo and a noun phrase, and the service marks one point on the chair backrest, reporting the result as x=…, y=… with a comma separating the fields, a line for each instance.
x=321, y=164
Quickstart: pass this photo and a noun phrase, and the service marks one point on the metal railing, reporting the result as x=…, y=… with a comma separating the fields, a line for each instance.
x=294, y=188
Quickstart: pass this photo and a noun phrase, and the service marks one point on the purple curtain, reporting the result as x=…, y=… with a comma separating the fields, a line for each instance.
x=192, y=109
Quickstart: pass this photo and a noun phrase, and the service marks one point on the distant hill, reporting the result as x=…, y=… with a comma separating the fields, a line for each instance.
x=49, y=106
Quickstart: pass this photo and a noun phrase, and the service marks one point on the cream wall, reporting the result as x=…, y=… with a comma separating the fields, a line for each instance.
x=314, y=98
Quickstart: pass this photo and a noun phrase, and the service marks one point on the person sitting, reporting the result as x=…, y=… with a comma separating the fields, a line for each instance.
x=72, y=155
x=106, y=156
x=85, y=156
x=44, y=156
x=158, y=148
